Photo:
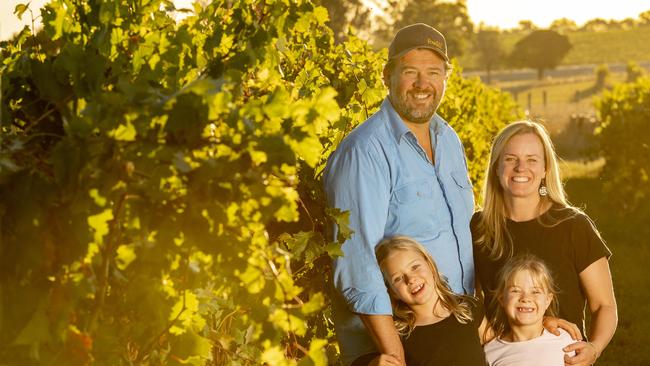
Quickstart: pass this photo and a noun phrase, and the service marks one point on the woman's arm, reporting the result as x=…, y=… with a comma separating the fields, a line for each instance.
x=596, y=281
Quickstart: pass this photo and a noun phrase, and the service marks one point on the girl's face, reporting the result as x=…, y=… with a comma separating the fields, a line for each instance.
x=524, y=301
x=410, y=279
x=521, y=166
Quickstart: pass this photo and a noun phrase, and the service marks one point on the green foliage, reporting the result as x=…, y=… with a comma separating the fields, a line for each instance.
x=477, y=112
x=633, y=71
x=20, y=9
x=160, y=195
x=624, y=136
x=540, y=50
x=644, y=18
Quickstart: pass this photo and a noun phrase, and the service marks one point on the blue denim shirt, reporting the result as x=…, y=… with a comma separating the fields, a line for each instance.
x=383, y=177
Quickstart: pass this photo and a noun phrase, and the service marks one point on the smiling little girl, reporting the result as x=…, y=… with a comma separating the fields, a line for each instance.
x=437, y=326
x=525, y=293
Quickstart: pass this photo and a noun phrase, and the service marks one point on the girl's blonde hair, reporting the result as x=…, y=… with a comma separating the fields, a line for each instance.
x=541, y=277
x=403, y=316
x=494, y=237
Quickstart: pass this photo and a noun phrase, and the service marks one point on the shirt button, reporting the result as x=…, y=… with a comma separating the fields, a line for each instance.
x=420, y=194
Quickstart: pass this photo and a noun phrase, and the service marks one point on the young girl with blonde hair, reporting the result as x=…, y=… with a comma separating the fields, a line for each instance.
x=436, y=325
x=525, y=294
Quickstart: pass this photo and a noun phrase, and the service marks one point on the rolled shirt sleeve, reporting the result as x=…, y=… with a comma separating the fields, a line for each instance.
x=357, y=181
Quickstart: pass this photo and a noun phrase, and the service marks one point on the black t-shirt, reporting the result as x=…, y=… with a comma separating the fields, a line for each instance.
x=447, y=342
x=567, y=249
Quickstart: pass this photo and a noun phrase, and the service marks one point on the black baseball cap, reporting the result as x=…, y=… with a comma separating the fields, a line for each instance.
x=418, y=35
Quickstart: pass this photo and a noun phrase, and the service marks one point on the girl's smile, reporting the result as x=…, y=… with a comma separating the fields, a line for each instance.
x=411, y=280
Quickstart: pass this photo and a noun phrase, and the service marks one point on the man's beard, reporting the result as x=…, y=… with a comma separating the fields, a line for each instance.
x=415, y=115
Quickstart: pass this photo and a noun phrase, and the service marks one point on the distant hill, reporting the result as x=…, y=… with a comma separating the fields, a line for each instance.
x=588, y=47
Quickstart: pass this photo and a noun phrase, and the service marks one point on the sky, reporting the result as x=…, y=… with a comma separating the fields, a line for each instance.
x=9, y=24
x=502, y=13
x=507, y=13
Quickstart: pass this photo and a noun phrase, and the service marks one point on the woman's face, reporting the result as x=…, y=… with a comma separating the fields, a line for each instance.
x=521, y=166
x=524, y=301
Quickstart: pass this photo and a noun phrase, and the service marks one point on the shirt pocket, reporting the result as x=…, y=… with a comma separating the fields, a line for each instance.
x=413, y=210
x=413, y=192
x=464, y=189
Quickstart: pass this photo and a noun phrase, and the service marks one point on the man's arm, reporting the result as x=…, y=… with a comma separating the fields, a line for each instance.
x=358, y=181
x=382, y=331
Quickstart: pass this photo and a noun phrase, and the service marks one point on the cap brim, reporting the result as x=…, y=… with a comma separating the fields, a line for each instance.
x=436, y=50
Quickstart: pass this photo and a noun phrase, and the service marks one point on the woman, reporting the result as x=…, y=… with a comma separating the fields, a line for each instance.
x=525, y=211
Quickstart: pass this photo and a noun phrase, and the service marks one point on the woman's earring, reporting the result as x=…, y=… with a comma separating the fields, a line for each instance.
x=542, y=188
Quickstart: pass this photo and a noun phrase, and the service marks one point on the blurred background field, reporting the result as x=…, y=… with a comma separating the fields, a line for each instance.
x=626, y=236
x=589, y=47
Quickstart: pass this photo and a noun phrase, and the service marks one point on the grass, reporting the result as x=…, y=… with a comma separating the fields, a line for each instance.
x=569, y=113
x=577, y=169
x=588, y=47
x=611, y=46
x=626, y=235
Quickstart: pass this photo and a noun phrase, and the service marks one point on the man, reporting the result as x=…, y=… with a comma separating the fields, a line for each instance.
x=403, y=171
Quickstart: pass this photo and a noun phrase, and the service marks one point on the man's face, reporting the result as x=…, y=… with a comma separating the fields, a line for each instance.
x=416, y=85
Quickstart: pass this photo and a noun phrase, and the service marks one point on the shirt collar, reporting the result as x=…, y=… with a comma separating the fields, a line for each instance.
x=398, y=128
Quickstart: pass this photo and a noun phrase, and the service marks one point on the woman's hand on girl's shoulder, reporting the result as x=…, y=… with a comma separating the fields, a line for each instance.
x=552, y=324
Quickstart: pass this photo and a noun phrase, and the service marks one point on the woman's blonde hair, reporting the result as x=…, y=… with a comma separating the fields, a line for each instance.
x=494, y=237
x=403, y=316
x=541, y=276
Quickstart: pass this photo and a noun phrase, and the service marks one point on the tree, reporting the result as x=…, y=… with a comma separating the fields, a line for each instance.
x=633, y=71
x=628, y=23
x=596, y=25
x=490, y=51
x=623, y=135
x=644, y=18
x=450, y=18
x=540, y=50
x=526, y=26
x=346, y=13
x=563, y=25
